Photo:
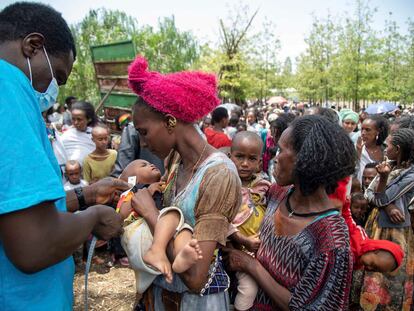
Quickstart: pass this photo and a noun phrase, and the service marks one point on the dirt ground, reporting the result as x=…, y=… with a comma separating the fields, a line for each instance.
x=109, y=288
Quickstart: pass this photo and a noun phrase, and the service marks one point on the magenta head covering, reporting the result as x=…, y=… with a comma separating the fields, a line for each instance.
x=187, y=95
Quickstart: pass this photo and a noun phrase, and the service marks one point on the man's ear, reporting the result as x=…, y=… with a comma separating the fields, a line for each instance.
x=32, y=43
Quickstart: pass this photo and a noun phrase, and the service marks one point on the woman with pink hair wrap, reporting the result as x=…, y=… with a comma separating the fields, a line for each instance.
x=202, y=182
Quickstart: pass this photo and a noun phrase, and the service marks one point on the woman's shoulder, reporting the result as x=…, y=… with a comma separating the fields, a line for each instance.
x=219, y=162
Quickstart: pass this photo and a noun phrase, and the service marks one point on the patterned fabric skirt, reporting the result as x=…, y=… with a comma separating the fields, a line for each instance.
x=386, y=291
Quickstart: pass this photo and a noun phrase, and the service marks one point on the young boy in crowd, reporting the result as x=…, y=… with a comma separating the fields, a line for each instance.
x=73, y=172
x=101, y=161
x=170, y=225
x=368, y=175
x=359, y=208
x=246, y=151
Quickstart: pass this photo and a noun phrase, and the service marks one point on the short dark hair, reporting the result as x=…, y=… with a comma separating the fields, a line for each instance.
x=69, y=99
x=382, y=126
x=324, y=153
x=357, y=196
x=73, y=162
x=22, y=18
x=250, y=136
x=219, y=114
x=371, y=165
x=234, y=119
x=404, y=138
x=89, y=111
x=243, y=125
x=281, y=123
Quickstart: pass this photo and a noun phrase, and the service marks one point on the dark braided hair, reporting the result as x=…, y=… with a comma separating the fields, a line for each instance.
x=219, y=114
x=405, y=122
x=382, y=126
x=325, y=153
x=404, y=138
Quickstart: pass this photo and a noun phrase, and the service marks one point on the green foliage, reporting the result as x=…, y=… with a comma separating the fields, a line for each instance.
x=166, y=48
x=245, y=62
x=347, y=60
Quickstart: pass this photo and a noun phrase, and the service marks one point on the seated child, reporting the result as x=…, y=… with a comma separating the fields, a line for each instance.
x=373, y=255
x=100, y=163
x=246, y=150
x=359, y=208
x=170, y=225
x=73, y=173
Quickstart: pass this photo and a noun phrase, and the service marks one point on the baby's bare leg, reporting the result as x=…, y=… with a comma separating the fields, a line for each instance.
x=163, y=233
x=186, y=251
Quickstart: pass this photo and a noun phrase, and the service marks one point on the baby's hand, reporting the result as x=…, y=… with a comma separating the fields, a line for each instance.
x=252, y=243
x=156, y=187
x=394, y=214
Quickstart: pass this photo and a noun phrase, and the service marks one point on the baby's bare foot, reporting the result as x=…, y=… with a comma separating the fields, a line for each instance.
x=187, y=256
x=158, y=260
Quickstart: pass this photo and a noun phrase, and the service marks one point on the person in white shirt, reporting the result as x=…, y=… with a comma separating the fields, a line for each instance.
x=77, y=140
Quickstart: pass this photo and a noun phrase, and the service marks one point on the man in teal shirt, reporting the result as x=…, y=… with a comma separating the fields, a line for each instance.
x=37, y=234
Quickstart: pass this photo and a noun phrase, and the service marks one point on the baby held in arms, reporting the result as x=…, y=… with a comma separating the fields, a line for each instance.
x=170, y=224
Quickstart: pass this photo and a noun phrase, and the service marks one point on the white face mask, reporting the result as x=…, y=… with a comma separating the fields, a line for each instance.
x=48, y=98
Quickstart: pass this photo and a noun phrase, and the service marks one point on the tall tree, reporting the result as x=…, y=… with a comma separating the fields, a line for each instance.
x=358, y=48
x=263, y=65
x=407, y=76
x=233, y=36
x=314, y=68
x=168, y=48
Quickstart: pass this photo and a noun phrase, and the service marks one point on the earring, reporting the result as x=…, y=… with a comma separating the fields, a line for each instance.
x=171, y=123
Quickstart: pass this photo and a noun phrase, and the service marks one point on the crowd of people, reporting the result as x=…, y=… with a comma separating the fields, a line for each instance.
x=254, y=207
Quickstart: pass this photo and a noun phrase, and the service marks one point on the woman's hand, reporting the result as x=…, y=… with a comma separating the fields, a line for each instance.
x=107, y=190
x=142, y=201
x=360, y=143
x=383, y=169
x=238, y=260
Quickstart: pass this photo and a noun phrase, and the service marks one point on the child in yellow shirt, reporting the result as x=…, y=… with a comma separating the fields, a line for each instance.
x=246, y=150
x=100, y=163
